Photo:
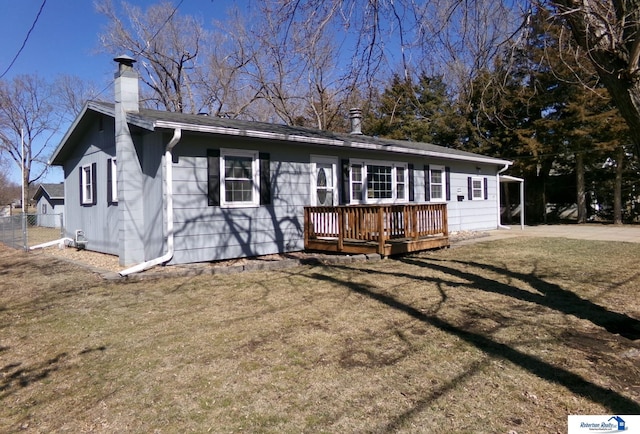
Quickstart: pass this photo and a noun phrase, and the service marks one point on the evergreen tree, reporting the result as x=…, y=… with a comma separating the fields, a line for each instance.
x=544, y=109
x=420, y=112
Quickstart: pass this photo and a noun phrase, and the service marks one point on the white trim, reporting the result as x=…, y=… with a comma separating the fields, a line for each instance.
x=365, y=182
x=87, y=186
x=255, y=174
x=362, y=182
x=508, y=178
x=405, y=183
x=325, y=141
x=351, y=142
x=473, y=189
x=323, y=159
x=443, y=183
x=114, y=181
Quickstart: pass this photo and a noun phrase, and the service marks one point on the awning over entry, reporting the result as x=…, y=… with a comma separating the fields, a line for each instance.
x=507, y=178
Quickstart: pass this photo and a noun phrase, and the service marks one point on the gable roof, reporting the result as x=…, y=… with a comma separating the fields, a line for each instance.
x=153, y=120
x=52, y=191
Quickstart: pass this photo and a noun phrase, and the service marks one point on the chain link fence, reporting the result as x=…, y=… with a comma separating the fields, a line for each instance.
x=22, y=231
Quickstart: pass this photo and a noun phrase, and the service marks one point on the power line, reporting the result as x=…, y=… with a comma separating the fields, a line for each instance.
x=175, y=9
x=95, y=97
x=167, y=20
x=25, y=40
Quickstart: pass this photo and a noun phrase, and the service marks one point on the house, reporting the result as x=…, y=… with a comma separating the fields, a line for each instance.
x=160, y=187
x=619, y=421
x=49, y=200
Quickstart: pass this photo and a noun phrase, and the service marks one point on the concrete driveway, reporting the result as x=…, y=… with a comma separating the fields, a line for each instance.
x=589, y=231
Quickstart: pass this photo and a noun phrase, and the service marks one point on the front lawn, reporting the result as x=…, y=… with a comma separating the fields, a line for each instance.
x=493, y=337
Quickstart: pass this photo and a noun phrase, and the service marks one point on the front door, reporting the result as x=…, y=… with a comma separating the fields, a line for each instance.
x=323, y=181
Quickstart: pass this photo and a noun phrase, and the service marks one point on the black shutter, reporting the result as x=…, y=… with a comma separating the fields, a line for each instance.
x=80, y=184
x=447, y=180
x=345, y=199
x=109, y=181
x=265, y=179
x=470, y=188
x=213, y=177
x=94, y=184
x=412, y=196
x=427, y=183
x=486, y=189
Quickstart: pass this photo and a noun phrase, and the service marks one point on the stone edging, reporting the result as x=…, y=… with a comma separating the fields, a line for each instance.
x=255, y=265
x=252, y=265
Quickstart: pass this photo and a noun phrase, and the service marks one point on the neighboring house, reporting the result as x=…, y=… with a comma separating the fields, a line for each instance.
x=49, y=200
x=144, y=184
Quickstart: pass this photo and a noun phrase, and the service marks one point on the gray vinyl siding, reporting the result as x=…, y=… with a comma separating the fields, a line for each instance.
x=54, y=215
x=472, y=215
x=153, y=200
x=135, y=227
x=209, y=233
x=55, y=212
x=99, y=222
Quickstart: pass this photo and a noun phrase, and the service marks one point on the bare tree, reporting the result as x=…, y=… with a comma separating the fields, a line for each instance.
x=71, y=93
x=461, y=39
x=609, y=32
x=167, y=46
x=9, y=191
x=222, y=82
x=27, y=111
x=297, y=67
x=275, y=71
x=456, y=39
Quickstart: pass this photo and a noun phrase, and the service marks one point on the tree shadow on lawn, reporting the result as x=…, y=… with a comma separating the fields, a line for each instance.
x=552, y=296
x=575, y=383
x=15, y=377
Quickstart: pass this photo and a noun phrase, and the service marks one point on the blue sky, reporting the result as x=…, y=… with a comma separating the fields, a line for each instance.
x=65, y=40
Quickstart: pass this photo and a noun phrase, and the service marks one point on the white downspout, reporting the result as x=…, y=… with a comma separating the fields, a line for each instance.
x=506, y=166
x=168, y=161
x=61, y=243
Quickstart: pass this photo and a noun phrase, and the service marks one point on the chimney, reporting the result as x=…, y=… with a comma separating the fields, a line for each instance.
x=131, y=193
x=126, y=84
x=355, y=116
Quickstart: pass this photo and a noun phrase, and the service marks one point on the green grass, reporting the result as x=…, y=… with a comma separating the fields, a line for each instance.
x=490, y=337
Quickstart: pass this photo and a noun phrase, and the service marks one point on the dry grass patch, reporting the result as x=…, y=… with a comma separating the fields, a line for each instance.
x=492, y=337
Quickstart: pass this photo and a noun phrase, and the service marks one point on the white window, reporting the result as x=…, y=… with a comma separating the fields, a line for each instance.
x=239, y=181
x=477, y=188
x=378, y=182
x=356, y=183
x=44, y=208
x=437, y=183
x=401, y=183
x=87, y=188
x=112, y=180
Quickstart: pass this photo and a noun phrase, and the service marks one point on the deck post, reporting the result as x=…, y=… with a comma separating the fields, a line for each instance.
x=445, y=221
x=307, y=226
x=414, y=222
x=341, y=229
x=381, y=238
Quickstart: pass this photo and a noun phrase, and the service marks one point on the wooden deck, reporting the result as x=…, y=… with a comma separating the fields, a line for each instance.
x=383, y=229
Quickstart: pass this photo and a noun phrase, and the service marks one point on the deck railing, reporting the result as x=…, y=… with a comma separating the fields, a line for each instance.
x=377, y=223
